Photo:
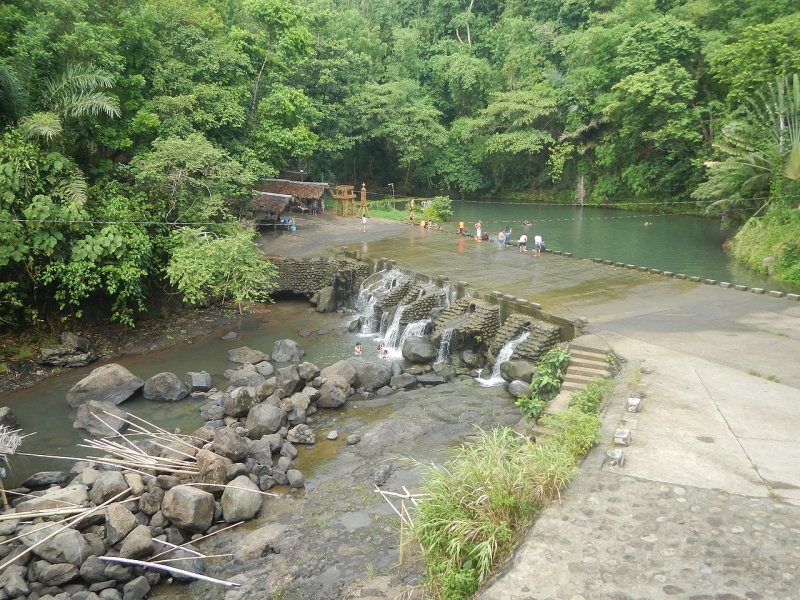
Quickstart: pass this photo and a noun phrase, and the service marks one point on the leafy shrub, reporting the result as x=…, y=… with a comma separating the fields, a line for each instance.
x=589, y=399
x=573, y=430
x=439, y=210
x=546, y=384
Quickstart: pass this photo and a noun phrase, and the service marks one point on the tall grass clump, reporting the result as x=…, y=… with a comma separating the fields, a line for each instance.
x=480, y=504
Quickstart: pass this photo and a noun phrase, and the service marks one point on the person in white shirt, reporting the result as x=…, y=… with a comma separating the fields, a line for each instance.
x=537, y=245
x=523, y=242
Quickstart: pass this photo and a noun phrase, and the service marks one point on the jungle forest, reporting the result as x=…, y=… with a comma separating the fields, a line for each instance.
x=128, y=127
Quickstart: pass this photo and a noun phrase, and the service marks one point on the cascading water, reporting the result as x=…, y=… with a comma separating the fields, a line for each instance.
x=393, y=331
x=503, y=356
x=444, y=345
x=415, y=329
x=368, y=298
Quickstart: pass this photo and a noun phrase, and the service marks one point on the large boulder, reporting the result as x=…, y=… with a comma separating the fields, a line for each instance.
x=371, y=374
x=119, y=523
x=333, y=392
x=239, y=402
x=246, y=355
x=108, y=485
x=67, y=546
x=110, y=383
x=419, y=350
x=164, y=387
x=287, y=351
x=404, y=381
x=44, y=479
x=101, y=419
x=74, y=351
x=76, y=495
x=326, y=299
x=247, y=377
x=230, y=444
x=288, y=379
x=213, y=470
x=264, y=419
x=521, y=370
x=307, y=371
x=241, y=500
x=189, y=508
x=138, y=544
x=266, y=389
x=519, y=388
x=342, y=369
x=197, y=381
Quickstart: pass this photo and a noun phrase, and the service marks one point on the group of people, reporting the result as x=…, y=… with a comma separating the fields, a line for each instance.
x=382, y=351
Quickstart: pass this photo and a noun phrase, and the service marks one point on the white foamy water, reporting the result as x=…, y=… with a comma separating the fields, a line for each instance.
x=503, y=356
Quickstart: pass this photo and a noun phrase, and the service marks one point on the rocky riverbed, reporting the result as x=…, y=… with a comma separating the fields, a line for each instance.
x=341, y=539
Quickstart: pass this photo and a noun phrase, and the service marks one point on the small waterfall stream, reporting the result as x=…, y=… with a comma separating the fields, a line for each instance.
x=392, y=335
x=444, y=345
x=368, y=297
x=503, y=356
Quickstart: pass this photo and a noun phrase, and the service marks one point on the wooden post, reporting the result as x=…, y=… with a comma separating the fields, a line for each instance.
x=363, y=209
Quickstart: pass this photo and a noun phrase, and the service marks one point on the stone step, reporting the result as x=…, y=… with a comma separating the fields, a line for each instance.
x=586, y=355
x=580, y=379
x=589, y=372
x=590, y=364
x=569, y=386
x=559, y=403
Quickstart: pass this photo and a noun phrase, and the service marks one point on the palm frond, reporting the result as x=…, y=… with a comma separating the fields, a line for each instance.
x=92, y=103
x=73, y=188
x=12, y=99
x=41, y=125
x=791, y=167
x=74, y=92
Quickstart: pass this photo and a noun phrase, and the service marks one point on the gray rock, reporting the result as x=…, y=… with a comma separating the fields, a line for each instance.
x=246, y=355
x=288, y=379
x=164, y=387
x=353, y=439
x=311, y=393
x=93, y=570
x=307, y=371
x=241, y=500
x=119, y=523
x=301, y=434
x=67, y=546
x=74, y=351
x=197, y=381
x=275, y=441
x=136, y=589
x=404, y=381
x=264, y=419
x=385, y=391
x=342, y=369
x=12, y=582
x=261, y=451
x=397, y=368
x=519, y=388
x=108, y=485
x=518, y=370
x=295, y=478
x=326, y=300
x=230, y=444
x=472, y=359
x=431, y=379
x=167, y=482
x=46, y=479
x=419, y=350
x=231, y=335
x=234, y=470
x=285, y=463
x=247, y=378
x=190, y=562
x=150, y=502
x=267, y=388
x=109, y=593
x=371, y=374
x=333, y=393
x=57, y=574
x=239, y=402
x=287, y=351
x=111, y=383
x=8, y=418
x=213, y=470
x=265, y=368
x=178, y=450
x=289, y=450
x=94, y=417
x=138, y=544
x=189, y=508
x=118, y=572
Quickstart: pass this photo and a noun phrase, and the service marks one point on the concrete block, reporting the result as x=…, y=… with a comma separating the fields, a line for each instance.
x=556, y=251
x=655, y=271
x=622, y=437
x=776, y=294
x=793, y=296
x=567, y=253
x=680, y=276
x=757, y=290
x=634, y=405
x=630, y=266
x=725, y=284
x=694, y=278
x=536, y=305
x=741, y=288
x=608, y=262
x=669, y=274
x=597, y=260
x=643, y=269
x=615, y=457
x=710, y=281
x=619, y=264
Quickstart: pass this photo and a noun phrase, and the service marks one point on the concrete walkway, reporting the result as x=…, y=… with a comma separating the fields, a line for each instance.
x=707, y=504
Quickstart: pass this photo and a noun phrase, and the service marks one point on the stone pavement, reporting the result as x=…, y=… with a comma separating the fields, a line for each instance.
x=705, y=506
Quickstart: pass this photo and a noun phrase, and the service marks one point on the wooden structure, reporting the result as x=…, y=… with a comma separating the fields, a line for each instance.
x=344, y=200
x=363, y=210
x=274, y=197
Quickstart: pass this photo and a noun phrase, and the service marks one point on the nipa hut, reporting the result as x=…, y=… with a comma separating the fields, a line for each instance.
x=299, y=193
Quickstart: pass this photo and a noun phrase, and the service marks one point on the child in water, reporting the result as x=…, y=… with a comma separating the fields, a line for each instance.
x=357, y=349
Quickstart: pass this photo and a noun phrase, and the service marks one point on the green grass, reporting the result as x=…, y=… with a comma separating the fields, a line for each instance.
x=3, y=368
x=487, y=495
x=392, y=215
x=755, y=373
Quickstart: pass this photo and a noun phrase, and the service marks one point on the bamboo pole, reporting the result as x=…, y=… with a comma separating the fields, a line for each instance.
x=204, y=556
x=171, y=570
x=208, y=535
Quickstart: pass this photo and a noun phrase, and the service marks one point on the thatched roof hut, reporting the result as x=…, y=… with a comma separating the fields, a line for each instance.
x=268, y=207
x=304, y=192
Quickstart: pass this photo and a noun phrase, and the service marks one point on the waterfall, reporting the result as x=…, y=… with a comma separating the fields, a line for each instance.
x=393, y=331
x=415, y=329
x=368, y=298
x=444, y=345
x=503, y=356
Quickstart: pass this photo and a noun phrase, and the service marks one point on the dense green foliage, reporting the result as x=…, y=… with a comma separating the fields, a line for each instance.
x=120, y=122
x=546, y=383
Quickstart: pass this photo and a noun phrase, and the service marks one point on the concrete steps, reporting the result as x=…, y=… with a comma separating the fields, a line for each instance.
x=587, y=361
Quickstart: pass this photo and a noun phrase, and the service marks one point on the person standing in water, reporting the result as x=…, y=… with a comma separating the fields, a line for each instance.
x=478, y=230
x=508, y=236
x=364, y=223
x=537, y=245
x=461, y=227
x=523, y=242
